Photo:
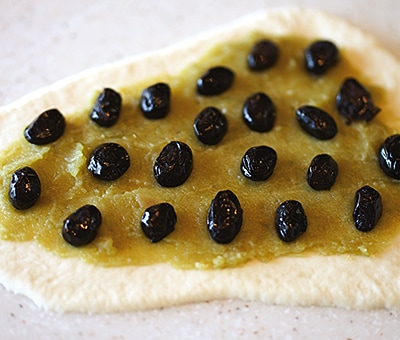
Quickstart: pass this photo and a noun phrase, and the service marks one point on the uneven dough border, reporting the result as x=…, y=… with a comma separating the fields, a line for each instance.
x=70, y=285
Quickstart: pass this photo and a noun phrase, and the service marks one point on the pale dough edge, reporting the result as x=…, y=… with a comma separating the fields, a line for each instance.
x=69, y=285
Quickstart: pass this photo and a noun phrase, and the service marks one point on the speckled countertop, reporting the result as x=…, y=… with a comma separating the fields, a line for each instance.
x=43, y=41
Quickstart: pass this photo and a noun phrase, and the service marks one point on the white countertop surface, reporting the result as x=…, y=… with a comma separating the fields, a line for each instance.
x=44, y=41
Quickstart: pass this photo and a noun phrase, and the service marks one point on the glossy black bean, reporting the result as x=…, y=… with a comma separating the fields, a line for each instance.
x=320, y=56
x=46, y=128
x=290, y=220
x=215, y=81
x=210, y=126
x=316, y=122
x=367, y=208
x=25, y=188
x=354, y=102
x=81, y=227
x=263, y=55
x=389, y=156
x=259, y=112
x=107, y=108
x=109, y=161
x=158, y=221
x=174, y=164
x=258, y=163
x=225, y=217
x=322, y=172
x=155, y=101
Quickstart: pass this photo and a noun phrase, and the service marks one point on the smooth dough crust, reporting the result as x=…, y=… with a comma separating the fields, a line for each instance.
x=70, y=285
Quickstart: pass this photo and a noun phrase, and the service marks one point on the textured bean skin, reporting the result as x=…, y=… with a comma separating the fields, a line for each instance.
x=109, y=161
x=322, y=172
x=107, y=108
x=389, y=156
x=316, y=122
x=158, y=221
x=259, y=112
x=290, y=220
x=215, y=81
x=174, y=164
x=81, y=227
x=25, y=188
x=210, y=126
x=354, y=102
x=320, y=56
x=258, y=163
x=263, y=55
x=367, y=208
x=46, y=128
x=225, y=217
x=155, y=101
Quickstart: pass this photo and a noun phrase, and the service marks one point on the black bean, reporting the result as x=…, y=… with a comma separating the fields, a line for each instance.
x=258, y=163
x=158, y=221
x=263, y=55
x=109, y=161
x=225, y=217
x=367, y=208
x=107, y=108
x=25, y=188
x=174, y=164
x=316, y=122
x=290, y=220
x=322, y=172
x=354, y=102
x=259, y=112
x=210, y=126
x=81, y=227
x=215, y=81
x=389, y=156
x=320, y=56
x=155, y=101
x=46, y=128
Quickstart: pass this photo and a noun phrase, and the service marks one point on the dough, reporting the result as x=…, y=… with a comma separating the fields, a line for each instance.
x=67, y=284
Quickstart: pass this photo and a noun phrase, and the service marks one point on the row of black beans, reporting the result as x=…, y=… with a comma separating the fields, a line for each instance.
x=109, y=161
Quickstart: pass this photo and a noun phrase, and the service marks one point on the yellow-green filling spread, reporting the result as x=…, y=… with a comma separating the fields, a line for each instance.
x=68, y=185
